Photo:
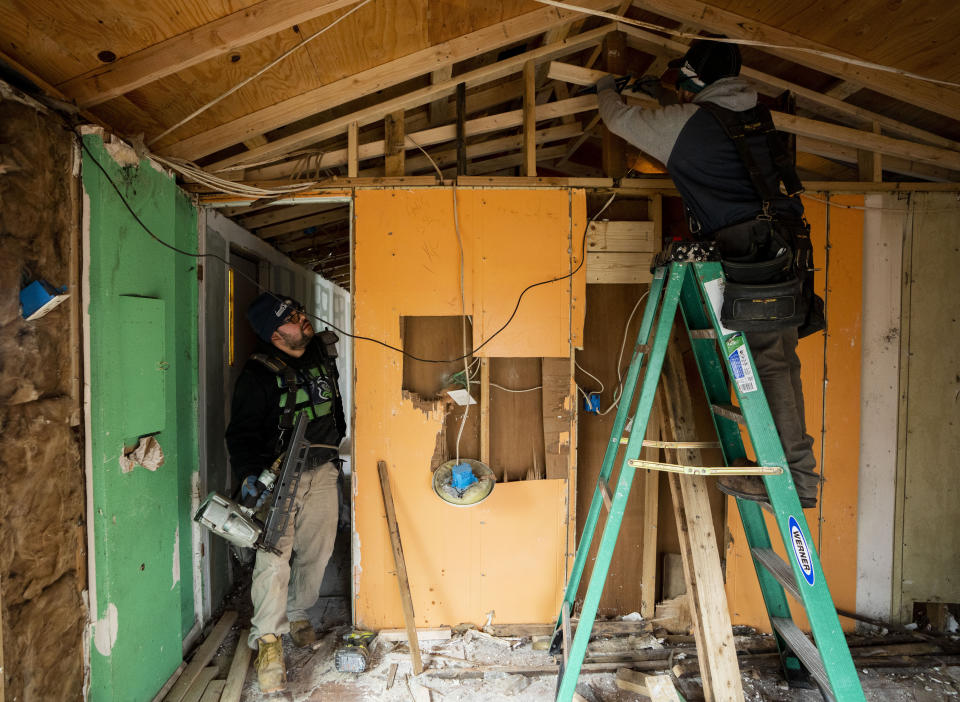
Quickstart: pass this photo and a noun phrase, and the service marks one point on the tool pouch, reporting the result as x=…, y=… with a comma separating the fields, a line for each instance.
x=762, y=307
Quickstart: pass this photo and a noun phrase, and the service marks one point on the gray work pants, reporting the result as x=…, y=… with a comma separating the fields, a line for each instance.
x=775, y=354
x=284, y=587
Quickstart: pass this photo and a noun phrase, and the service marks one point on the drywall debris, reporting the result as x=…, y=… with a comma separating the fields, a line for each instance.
x=147, y=453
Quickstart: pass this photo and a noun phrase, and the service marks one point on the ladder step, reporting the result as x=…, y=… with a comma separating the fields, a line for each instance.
x=705, y=470
x=649, y=443
x=804, y=650
x=731, y=412
x=605, y=493
x=703, y=334
x=779, y=569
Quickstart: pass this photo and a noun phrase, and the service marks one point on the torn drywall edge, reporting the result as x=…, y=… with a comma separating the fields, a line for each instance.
x=176, y=558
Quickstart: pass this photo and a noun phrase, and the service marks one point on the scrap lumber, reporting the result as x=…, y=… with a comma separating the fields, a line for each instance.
x=391, y=675
x=214, y=691
x=238, y=669
x=632, y=681
x=201, y=658
x=171, y=681
x=401, y=566
x=200, y=683
x=698, y=542
x=423, y=634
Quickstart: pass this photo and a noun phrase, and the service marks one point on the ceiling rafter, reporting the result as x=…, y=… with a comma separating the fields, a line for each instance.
x=932, y=97
x=425, y=138
x=478, y=76
x=200, y=44
x=371, y=80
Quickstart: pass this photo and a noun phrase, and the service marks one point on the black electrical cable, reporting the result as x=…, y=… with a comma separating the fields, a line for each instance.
x=123, y=199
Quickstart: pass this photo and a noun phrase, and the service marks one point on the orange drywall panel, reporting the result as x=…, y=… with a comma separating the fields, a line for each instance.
x=508, y=553
x=831, y=366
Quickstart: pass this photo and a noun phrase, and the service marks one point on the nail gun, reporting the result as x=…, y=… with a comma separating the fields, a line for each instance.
x=244, y=523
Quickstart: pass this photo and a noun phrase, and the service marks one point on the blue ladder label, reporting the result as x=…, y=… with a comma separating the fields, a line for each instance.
x=740, y=365
x=800, y=549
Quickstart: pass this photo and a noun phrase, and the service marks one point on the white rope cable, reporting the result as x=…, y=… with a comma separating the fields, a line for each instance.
x=747, y=42
x=256, y=75
x=618, y=391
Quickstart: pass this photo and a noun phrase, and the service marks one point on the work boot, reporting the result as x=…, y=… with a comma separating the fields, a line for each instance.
x=271, y=673
x=302, y=633
x=751, y=487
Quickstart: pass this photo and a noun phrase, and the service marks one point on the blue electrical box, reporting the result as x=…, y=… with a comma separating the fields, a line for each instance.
x=39, y=297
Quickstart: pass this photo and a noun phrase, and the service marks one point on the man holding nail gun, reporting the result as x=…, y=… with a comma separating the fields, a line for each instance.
x=293, y=371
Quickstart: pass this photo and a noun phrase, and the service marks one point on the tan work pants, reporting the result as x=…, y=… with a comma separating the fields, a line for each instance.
x=284, y=587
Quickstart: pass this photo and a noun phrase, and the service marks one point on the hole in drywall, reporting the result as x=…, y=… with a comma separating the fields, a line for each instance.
x=234, y=58
x=517, y=448
x=442, y=338
x=107, y=56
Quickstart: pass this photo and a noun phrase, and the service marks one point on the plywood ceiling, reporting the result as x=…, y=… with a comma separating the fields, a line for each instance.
x=141, y=68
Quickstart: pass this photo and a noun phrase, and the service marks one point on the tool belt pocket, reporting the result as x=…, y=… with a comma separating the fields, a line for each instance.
x=763, y=307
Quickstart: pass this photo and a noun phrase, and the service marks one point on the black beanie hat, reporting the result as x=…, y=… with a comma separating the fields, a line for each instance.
x=268, y=311
x=705, y=63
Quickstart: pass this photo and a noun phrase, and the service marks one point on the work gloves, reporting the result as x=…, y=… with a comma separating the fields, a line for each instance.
x=251, y=488
x=648, y=85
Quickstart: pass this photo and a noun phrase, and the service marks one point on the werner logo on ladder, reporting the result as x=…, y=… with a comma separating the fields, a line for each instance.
x=691, y=286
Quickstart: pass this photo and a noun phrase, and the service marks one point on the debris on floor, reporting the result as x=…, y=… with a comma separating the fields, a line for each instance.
x=500, y=664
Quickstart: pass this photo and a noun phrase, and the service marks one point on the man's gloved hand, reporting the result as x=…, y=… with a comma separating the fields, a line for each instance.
x=249, y=487
x=608, y=82
x=648, y=85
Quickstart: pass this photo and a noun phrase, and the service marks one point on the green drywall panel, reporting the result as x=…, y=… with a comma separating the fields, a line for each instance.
x=143, y=379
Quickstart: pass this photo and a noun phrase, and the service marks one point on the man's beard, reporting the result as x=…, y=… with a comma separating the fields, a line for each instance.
x=296, y=342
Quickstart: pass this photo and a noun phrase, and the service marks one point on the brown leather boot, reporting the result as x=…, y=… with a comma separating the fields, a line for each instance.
x=271, y=673
x=302, y=633
x=751, y=487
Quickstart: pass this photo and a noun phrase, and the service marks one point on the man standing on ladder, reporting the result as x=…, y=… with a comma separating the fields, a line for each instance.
x=722, y=152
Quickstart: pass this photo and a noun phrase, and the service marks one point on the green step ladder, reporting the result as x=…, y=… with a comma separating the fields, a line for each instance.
x=696, y=287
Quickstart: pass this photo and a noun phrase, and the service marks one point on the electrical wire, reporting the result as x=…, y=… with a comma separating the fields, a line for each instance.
x=333, y=326
x=231, y=91
x=747, y=42
x=463, y=321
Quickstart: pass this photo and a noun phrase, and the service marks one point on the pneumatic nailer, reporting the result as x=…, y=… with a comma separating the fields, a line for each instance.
x=240, y=523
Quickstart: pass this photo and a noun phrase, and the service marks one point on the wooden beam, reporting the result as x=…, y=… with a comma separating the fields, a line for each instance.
x=426, y=138
x=439, y=110
x=529, y=119
x=238, y=669
x=461, y=129
x=401, y=565
x=200, y=44
x=613, y=236
x=557, y=404
x=393, y=146
x=930, y=96
x=651, y=518
x=298, y=225
x=869, y=162
x=849, y=155
x=482, y=125
x=485, y=411
x=620, y=267
x=373, y=79
x=716, y=651
x=511, y=160
x=202, y=656
x=353, y=152
x=835, y=133
x=613, y=150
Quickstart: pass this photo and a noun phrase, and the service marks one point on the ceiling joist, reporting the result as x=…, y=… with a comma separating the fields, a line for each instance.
x=373, y=79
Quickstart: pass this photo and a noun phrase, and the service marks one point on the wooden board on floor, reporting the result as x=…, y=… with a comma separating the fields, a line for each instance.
x=238, y=669
x=201, y=657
